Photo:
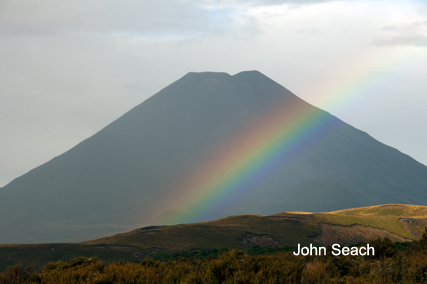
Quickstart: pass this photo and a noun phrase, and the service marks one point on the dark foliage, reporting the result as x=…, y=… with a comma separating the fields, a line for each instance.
x=195, y=253
x=389, y=265
x=260, y=250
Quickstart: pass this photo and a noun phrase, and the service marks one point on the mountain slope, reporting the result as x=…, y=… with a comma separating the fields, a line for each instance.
x=207, y=146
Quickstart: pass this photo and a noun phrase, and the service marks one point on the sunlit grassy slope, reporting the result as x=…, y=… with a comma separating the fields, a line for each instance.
x=388, y=217
x=383, y=216
x=238, y=232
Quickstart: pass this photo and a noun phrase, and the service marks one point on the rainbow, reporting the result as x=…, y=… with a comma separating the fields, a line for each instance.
x=254, y=155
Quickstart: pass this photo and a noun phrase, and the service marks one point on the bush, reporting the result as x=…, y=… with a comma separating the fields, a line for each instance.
x=384, y=247
x=389, y=265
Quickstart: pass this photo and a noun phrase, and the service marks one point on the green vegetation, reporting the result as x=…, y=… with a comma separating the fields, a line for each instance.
x=382, y=216
x=388, y=265
x=209, y=253
x=199, y=254
x=402, y=245
x=389, y=223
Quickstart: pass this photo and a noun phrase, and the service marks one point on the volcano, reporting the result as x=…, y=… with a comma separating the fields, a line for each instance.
x=207, y=146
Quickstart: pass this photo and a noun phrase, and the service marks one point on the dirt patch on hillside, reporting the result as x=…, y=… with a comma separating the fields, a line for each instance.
x=348, y=235
x=251, y=240
x=414, y=226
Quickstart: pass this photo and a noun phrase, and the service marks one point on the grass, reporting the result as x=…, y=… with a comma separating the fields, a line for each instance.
x=287, y=229
x=214, y=235
x=382, y=216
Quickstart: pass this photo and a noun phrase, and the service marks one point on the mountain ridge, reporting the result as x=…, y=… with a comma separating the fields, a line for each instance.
x=139, y=169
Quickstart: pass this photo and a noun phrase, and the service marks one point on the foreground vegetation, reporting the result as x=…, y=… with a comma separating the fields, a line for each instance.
x=389, y=265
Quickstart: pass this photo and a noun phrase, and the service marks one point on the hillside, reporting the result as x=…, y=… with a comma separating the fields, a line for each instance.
x=398, y=222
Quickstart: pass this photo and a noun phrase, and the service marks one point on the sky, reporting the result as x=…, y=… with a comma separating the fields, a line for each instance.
x=69, y=68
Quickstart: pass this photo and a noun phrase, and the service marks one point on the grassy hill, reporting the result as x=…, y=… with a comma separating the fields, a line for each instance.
x=398, y=222
x=404, y=220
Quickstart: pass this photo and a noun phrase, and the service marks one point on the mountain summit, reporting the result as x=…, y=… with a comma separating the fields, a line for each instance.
x=207, y=146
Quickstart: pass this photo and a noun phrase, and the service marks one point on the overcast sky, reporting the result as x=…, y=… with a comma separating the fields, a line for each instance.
x=69, y=68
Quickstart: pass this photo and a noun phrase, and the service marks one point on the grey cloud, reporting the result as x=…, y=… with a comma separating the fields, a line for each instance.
x=408, y=27
x=52, y=17
x=410, y=34
x=144, y=18
x=414, y=40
